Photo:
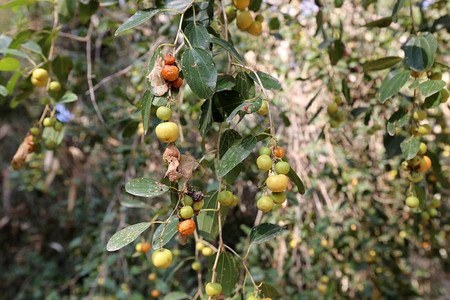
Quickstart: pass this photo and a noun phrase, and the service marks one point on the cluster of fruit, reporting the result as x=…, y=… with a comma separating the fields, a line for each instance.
x=322, y=287
x=336, y=115
x=244, y=19
x=417, y=165
x=278, y=181
x=170, y=71
x=226, y=198
x=167, y=132
x=39, y=78
x=186, y=226
x=205, y=250
x=445, y=93
x=142, y=247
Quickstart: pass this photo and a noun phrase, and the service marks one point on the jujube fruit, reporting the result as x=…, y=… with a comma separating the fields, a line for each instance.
x=282, y=167
x=155, y=293
x=422, y=149
x=55, y=86
x=177, y=83
x=444, y=95
x=332, y=108
x=244, y=20
x=264, y=162
x=213, y=289
x=186, y=227
x=264, y=150
x=167, y=132
x=412, y=201
x=188, y=200
x=241, y=4
x=278, y=151
x=207, y=251
x=225, y=198
x=278, y=198
x=255, y=28
x=163, y=113
x=145, y=247
x=265, y=203
x=196, y=266
x=162, y=258
x=277, y=183
x=198, y=205
x=425, y=164
x=170, y=73
x=186, y=212
x=169, y=59
x=264, y=109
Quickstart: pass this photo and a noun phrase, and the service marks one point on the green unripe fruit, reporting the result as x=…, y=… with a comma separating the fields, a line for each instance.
x=264, y=162
x=412, y=201
x=188, y=201
x=264, y=109
x=444, y=95
x=48, y=122
x=339, y=116
x=433, y=212
x=230, y=11
x=436, y=76
x=213, y=289
x=49, y=143
x=415, y=177
x=334, y=124
x=415, y=161
x=259, y=18
x=282, y=167
x=225, y=198
x=265, y=151
x=162, y=258
x=34, y=131
x=419, y=115
x=425, y=216
x=196, y=266
x=422, y=149
x=163, y=113
x=265, y=203
x=405, y=165
x=278, y=198
x=235, y=201
x=58, y=126
x=45, y=101
x=207, y=251
x=186, y=212
x=332, y=108
x=338, y=100
x=435, y=203
x=198, y=205
x=424, y=129
x=55, y=86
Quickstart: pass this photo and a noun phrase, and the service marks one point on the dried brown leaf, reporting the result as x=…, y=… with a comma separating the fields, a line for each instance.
x=159, y=85
x=25, y=149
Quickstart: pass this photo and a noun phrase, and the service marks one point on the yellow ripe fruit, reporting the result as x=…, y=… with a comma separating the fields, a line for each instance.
x=241, y=4
x=422, y=149
x=167, y=132
x=322, y=288
x=419, y=115
x=151, y=276
x=277, y=183
x=40, y=74
x=199, y=246
x=138, y=247
x=444, y=95
x=207, y=251
x=55, y=86
x=255, y=28
x=324, y=279
x=213, y=289
x=38, y=83
x=264, y=109
x=324, y=243
x=265, y=203
x=162, y=258
x=244, y=20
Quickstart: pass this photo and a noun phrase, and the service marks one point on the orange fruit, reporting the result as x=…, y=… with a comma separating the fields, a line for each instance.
x=169, y=59
x=145, y=247
x=425, y=164
x=177, y=83
x=170, y=73
x=278, y=151
x=186, y=227
x=155, y=293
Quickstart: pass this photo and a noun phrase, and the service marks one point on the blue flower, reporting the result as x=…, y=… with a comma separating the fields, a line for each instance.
x=63, y=114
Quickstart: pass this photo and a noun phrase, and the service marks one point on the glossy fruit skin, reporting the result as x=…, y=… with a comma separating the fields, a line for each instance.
x=412, y=201
x=186, y=212
x=445, y=93
x=225, y=198
x=265, y=203
x=38, y=83
x=177, y=83
x=48, y=122
x=255, y=28
x=264, y=162
x=186, y=227
x=213, y=289
x=55, y=86
x=422, y=149
x=155, y=293
x=163, y=113
x=277, y=183
x=265, y=150
x=170, y=73
x=244, y=20
x=282, y=167
x=198, y=205
x=167, y=132
x=169, y=59
x=278, y=151
x=278, y=198
x=241, y=4
x=332, y=108
x=145, y=247
x=188, y=200
x=162, y=258
x=264, y=109
x=207, y=251
x=196, y=266
x=40, y=74
x=424, y=164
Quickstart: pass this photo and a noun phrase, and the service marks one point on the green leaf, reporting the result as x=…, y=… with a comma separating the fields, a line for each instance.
x=176, y=296
x=265, y=232
x=32, y=46
x=398, y=119
x=267, y=81
x=391, y=86
x=227, y=271
x=177, y=5
x=12, y=82
x=267, y=290
x=145, y=107
x=14, y=3
x=244, y=85
x=237, y=153
x=296, y=180
x=225, y=82
x=336, y=51
x=420, y=50
x=255, y=5
x=137, y=19
x=14, y=52
x=431, y=87
x=383, y=22
x=87, y=10
x=160, y=238
x=130, y=129
x=410, y=147
x=206, y=119
x=145, y=187
x=66, y=10
x=224, y=103
x=229, y=48
x=69, y=97
x=346, y=91
x=397, y=7
x=381, y=63
x=208, y=221
x=61, y=67
x=199, y=71
x=247, y=107
x=197, y=35
x=129, y=202
x=9, y=64
x=126, y=236
x=3, y=91
x=433, y=101
x=229, y=137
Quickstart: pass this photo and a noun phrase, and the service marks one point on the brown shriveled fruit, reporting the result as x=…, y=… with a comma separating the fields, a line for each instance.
x=169, y=59
x=170, y=73
x=177, y=83
x=278, y=151
x=186, y=227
